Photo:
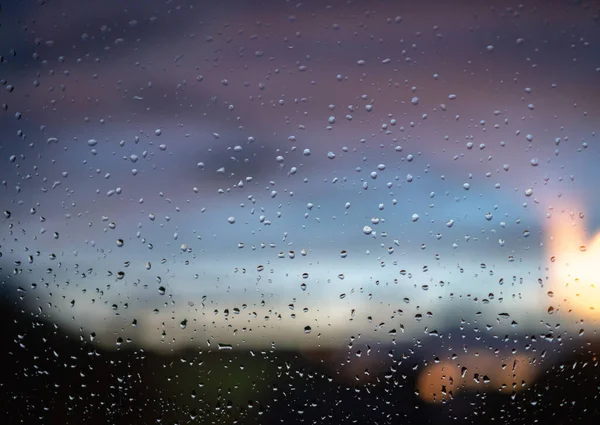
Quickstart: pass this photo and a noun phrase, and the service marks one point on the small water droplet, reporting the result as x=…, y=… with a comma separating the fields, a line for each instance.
x=223, y=346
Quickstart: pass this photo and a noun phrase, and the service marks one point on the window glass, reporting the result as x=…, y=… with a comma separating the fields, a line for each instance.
x=299, y=212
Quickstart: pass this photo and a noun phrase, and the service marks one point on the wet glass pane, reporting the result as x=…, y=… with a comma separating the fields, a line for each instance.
x=262, y=212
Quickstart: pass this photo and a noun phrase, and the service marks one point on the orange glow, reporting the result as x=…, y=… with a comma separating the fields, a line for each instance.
x=574, y=261
x=487, y=372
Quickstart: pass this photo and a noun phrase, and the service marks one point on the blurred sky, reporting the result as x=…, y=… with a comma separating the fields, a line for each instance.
x=138, y=121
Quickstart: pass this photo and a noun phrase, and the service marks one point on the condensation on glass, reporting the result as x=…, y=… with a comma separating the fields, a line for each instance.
x=299, y=212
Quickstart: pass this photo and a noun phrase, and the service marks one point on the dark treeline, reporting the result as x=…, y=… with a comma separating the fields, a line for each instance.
x=50, y=377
